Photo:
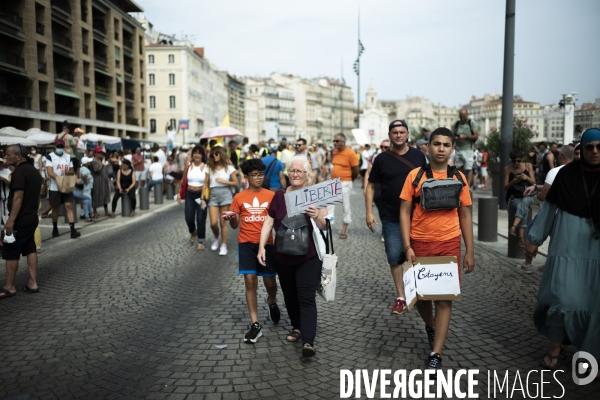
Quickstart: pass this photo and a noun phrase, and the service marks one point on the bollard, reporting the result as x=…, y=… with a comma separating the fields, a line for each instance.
x=158, y=194
x=487, y=219
x=125, y=205
x=144, y=198
x=514, y=251
x=170, y=190
x=62, y=211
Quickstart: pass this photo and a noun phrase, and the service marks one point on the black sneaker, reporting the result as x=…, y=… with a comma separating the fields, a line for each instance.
x=434, y=362
x=430, y=336
x=274, y=313
x=253, y=334
x=75, y=234
x=55, y=232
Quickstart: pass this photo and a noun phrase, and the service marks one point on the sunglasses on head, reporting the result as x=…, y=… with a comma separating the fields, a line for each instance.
x=591, y=146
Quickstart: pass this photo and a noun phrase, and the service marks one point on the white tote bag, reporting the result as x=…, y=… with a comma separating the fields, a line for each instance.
x=328, y=271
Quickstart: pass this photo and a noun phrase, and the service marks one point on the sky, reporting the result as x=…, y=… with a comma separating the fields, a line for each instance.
x=445, y=50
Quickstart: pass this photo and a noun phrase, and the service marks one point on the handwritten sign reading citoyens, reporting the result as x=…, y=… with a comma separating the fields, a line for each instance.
x=319, y=195
x=437, y=279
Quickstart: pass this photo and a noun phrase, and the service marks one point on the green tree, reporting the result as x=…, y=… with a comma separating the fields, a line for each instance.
x=522, y=135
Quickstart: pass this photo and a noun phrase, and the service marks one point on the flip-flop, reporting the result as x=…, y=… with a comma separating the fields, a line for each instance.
x=343, y=236
x=6, y=293
x=26, y=289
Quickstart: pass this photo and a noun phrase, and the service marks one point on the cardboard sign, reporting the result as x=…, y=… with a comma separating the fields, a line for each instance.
x=431, y=278
x=319, y=195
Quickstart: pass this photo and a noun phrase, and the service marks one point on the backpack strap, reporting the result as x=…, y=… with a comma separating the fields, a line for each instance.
x=424, y=170
x=452, y=170
x=470, y=127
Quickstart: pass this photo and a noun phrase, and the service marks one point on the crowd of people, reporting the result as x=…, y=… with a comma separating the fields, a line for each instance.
x=242, y=186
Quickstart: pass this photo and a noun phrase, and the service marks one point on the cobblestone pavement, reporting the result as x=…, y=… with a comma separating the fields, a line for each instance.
x=136, y=312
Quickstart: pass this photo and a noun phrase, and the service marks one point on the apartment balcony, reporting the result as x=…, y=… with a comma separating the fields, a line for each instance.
x=132, y=121
x=129, y=96
x=272, y=107
x=42, y=67
x=128, y=44
x=102, y=91
x=105, y=116
x=39, y=28
x=101, y=61
x=62, y=5
x=99, y=27
x=128, y=73
x=73, y=111
x=12, y=60
x=62, y=41
x=10, y=100
x=11, y=17
x=64, y=77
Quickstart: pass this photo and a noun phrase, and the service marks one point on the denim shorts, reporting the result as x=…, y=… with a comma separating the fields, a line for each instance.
x=220, y=196
x=393, y=241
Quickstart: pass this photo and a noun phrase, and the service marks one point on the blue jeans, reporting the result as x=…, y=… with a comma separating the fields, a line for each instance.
x=195, y=216
x=86, y=199
x=170, y=146
x=393, y=241
x=153, y=183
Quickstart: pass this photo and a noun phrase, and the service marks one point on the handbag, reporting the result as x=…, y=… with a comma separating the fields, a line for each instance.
x=329, y=269
x=44, y=189
x=292, y=236
x=66, y=183
x=183, y=185
x=206, y=189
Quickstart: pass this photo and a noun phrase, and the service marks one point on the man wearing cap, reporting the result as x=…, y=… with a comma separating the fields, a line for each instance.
x=58, y=163
x=22, y=222
x=466, y=132
x=390, y=169
x=423, y=145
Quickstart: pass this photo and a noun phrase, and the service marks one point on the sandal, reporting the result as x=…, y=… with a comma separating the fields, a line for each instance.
x=295, y=335
x=551, y=358
x=343, y=236
x=7, y=293
x=308, y=350
x=89, y=220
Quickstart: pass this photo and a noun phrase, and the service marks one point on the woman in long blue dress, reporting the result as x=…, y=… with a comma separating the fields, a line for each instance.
x=568, y=303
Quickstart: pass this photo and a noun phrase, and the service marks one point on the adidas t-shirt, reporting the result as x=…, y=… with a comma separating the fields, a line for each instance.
x=253, y=208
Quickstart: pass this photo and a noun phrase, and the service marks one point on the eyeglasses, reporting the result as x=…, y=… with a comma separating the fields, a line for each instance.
x=256, y=176
x=335, y=141
x=516, y=161
x=296, y=172
x=591, y=146
x=384, y=147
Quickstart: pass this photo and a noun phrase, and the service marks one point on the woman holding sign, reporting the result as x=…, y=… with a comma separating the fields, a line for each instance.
x=296, y=259
x=436, y=229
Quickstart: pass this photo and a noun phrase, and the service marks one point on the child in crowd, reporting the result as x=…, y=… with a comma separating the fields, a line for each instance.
x=249, y=208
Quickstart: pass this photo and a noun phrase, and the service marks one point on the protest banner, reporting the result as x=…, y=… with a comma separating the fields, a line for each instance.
x=319, y=195
x=431, y=278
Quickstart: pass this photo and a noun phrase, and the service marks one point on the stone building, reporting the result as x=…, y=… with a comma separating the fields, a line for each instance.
x=75, y=60
x=588, y=116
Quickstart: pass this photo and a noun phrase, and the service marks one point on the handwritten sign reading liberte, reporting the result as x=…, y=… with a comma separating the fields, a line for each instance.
x=319, y=195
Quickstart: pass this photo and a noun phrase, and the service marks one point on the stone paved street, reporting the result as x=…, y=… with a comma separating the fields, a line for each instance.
x=136, y=312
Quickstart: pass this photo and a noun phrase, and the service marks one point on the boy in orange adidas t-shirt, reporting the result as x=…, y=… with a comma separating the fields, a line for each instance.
x=249, y=208
x=437, y=233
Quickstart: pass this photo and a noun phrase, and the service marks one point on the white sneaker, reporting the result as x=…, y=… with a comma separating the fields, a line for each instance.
x=528, y=269
x=215, y=244
x=223, y=251
x=382, y=239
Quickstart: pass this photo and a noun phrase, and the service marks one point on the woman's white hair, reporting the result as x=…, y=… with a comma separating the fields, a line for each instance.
x=306, y=166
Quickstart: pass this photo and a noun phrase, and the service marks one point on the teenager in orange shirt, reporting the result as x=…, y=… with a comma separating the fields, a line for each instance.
x=249, y=208
x=436, y=233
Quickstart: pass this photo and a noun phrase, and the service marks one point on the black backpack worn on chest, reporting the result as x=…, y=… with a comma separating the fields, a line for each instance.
x=439, y=194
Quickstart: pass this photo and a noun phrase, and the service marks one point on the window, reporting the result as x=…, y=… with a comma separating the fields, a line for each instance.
x=171, y=59
x=172, y=102
x=152, y=125
x=151, y=81
x=151, y=59
x=172, y=79
x=173, y=123
x=152, y=101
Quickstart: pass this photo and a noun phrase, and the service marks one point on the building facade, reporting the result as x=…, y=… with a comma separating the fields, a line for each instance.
x=588, y=116
x=276, y=107
x=236, y=94
x=251, y=119
x=374, y=120
x=76, y=60
x=183, y=86
x=554, y=123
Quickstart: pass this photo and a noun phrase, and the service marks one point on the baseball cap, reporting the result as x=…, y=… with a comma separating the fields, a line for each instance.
x=97, y=149
x=59, y=142
x=85, y=160
x=421, y=142
x=398, y=122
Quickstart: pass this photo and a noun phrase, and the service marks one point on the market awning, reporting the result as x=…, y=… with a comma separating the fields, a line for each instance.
x=102, y=72
x=119, y=79
x=104, y=102
x=65, y=92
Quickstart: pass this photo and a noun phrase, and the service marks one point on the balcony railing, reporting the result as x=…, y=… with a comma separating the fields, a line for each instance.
x=132, y=121
x=85, y=49
x=11, y=17
x=64, y=75
x=62, y=40
x=10, y=100
x=74, y=111
x=129, y=96
x=99, y=26
x=128, y=43
x=103, y=91
x=105, y=116
x=63, y=5
x=101, y=60
x=86, y=81
x=129, y=70
x=12, y=59
x=42, y=67
x=39, y=28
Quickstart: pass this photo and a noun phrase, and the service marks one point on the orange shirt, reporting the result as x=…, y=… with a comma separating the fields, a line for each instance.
x=343, y=161
x=433, y=226
x=253, y=207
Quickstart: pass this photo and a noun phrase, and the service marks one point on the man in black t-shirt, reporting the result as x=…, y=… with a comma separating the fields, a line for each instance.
x=25, y=186
x=390, y=169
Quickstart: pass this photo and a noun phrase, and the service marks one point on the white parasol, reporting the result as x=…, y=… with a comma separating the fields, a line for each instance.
x=95, y=137
x=221, y=131
x=10, y=131
x=16, y=140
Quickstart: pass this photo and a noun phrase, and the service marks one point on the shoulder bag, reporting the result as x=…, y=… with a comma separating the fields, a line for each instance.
x=329, y=268
x=401, y=158
x=206, y=190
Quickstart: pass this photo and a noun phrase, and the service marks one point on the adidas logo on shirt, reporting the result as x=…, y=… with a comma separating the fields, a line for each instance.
x=256, y=209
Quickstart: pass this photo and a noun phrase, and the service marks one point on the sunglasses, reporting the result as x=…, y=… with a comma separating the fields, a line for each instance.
x=298, y=145
x=336, y=141
x=516, y=161
x=591, y=146
x=60, y=146
x=384, y=147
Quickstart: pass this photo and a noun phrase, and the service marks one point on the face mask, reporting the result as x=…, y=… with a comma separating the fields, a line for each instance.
x=59, y=152
x=33, y=152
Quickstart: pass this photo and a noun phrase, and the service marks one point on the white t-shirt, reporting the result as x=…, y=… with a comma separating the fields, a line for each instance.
x=162, y=157
x=552, y=175
x=224, y=173
x=366, y=154
x=128, y=157
x=59, y=165
x=157, y=171
x=171, y=135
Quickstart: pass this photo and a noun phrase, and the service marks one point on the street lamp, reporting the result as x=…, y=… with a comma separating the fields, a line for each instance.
x=361, y=49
